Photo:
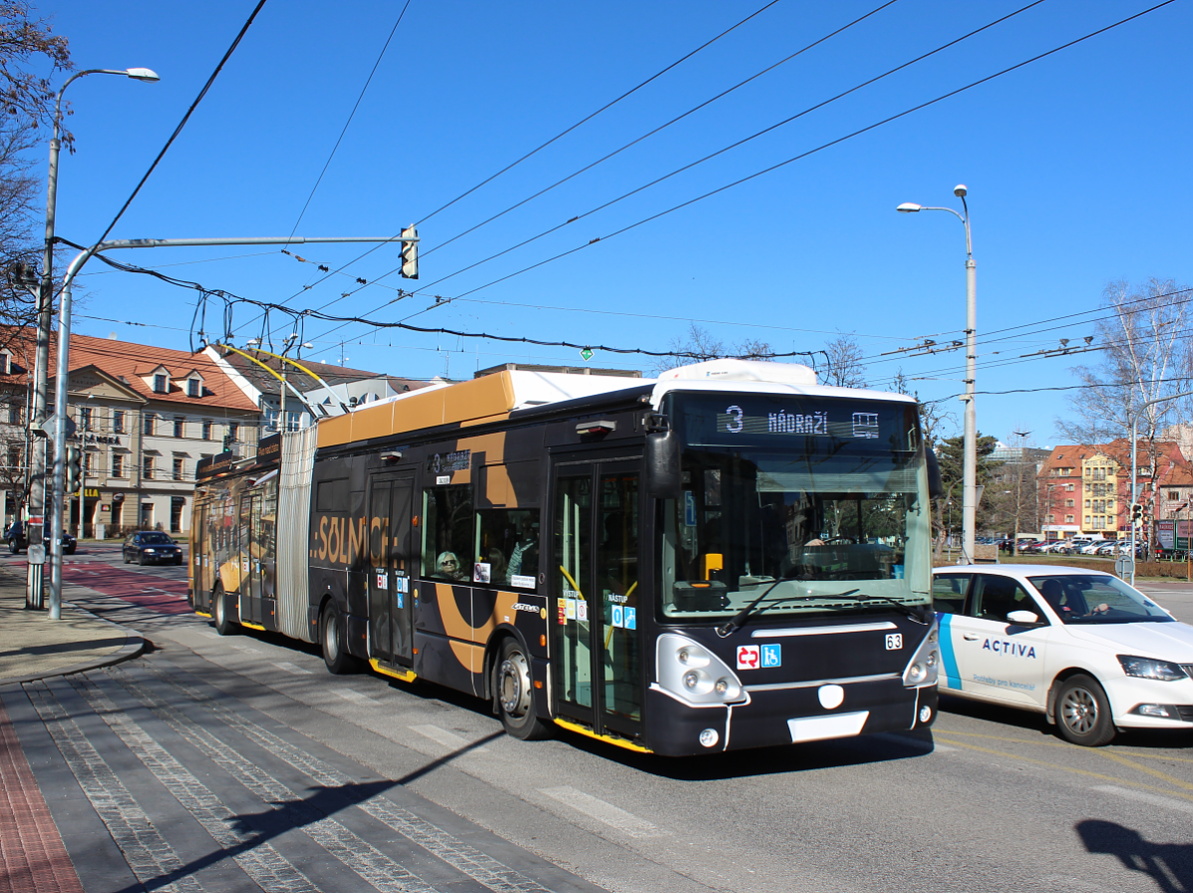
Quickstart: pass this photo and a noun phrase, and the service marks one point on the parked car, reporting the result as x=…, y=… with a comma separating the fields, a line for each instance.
x=151, y=547
x=1090, y=652
x=1092, y=548
x=17, y=541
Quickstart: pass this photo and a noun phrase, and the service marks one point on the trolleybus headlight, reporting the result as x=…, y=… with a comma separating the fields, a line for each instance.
x=924, y=667
x=692, y=673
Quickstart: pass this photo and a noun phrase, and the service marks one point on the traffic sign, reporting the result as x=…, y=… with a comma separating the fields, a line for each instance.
x=1124, y=566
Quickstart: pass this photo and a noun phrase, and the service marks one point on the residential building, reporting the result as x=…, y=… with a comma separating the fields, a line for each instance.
x=143, y=415
x=1088, y=489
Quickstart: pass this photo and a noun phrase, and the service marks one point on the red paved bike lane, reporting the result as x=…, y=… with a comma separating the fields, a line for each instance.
x=32, y=855
x=144, y=590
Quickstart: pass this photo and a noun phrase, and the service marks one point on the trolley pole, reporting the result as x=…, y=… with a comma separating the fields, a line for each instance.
x=62, y=422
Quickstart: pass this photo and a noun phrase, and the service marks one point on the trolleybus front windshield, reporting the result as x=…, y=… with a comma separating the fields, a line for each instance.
x=804, y=504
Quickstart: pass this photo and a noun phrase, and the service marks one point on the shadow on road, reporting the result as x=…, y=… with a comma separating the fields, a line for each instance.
x=1170, y=865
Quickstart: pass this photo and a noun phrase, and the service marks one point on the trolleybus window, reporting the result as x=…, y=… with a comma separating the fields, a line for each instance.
x=818, y=503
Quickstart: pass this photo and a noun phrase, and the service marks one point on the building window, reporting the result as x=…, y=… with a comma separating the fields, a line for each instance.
x=14, y=458
x=5, y=363
x=88, y=462
x=118, y=421
x=206, y=429
x=14, y=414
x=147, y=468
x=161, y=384
x=148, y=422
x=1068, y=503
x=1068, y=519
x=85, y=417
x=118, y=465
x=177, y=504
x=1174, y=495
x=194, y=387
x=179, y=426
x=233, y=432
x=179, y=469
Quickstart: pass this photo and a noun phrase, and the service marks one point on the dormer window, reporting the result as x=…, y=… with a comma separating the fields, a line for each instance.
x=5, y=362
x=194, y=387
x=161, y=383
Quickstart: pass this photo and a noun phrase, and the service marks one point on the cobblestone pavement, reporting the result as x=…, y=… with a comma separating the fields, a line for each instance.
x=152, y=775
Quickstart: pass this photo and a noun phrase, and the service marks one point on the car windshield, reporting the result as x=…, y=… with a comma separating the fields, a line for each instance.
x=1094, y=598
x=155, y=539
x=794, y=505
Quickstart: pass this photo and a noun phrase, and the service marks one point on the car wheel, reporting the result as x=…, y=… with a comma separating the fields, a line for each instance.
x=514, y=695
x=142, y=560
x=219, y=611
x=14, y=547
x=124, y=557
x=335, y=655
x=1083, y=713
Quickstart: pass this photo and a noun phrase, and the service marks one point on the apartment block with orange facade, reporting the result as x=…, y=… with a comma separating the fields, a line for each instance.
x=1086, y=489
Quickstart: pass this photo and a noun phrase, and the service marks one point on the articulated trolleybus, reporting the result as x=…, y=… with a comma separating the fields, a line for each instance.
x=730, y=556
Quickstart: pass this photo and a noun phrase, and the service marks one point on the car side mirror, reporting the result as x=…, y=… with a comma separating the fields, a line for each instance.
x=1023, y=618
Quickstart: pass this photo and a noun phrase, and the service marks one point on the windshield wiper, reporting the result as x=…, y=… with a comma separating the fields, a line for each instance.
x=736, y=621
x=906, y=610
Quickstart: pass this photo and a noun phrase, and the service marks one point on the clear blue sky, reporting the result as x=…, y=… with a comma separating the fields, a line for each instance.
x=1077, y=169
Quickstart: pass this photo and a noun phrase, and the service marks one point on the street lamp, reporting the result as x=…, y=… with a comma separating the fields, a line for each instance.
x=970, y=463
x=1135, y=462
x=38, y=497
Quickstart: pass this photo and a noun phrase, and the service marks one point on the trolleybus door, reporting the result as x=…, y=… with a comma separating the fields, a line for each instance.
x=596, y=593
x=391, y=623
x=250, y=558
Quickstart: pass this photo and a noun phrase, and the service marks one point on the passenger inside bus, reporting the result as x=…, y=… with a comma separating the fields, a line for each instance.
x=447, y=566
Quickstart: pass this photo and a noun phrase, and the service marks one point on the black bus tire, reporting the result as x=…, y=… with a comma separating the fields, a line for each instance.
x=219, y=613
x=513, y=693
x=331, y=640
x=1083, y=712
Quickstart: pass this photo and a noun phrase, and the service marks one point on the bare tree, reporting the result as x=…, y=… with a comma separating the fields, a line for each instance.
x=844, y=366
x=701, y=345
x=28, y=101
x=1146, y=356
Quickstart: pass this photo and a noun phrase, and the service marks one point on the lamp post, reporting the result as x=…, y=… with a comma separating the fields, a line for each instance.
x=40, y=500
x=1135, y=463
x=970, y=463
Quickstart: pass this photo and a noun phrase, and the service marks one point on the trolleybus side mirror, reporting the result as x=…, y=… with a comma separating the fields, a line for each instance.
x=935, y=484
x=662, y=464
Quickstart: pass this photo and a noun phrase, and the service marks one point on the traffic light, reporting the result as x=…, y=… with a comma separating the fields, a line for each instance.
x=74, y=469
x=410, y=252
x=1136, y=513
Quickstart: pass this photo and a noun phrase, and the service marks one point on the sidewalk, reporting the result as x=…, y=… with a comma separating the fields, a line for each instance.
x=32, y=646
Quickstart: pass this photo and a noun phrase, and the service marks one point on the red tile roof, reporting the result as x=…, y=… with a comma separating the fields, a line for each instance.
x=128, y=362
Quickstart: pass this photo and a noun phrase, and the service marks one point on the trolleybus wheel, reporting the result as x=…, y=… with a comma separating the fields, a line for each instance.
x=219, y=611
x=1083, y=713
x=514, y=695
x=335, y=655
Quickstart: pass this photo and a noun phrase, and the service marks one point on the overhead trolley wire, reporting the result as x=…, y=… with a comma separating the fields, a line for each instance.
x=544, y=145
x=719, y=152
x=186, y=117
x=351, y=115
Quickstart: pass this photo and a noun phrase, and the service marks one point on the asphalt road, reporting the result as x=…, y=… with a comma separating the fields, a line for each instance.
x=245, y=746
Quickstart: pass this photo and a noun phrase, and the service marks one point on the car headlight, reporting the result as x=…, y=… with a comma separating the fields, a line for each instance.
x=1149, y=668
x=692, y=673
x=149, y=551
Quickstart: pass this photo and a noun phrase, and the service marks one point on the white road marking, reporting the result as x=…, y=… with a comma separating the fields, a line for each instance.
x=1144, y=797
x=287, y=667
x=450, y=740
x=611, y=815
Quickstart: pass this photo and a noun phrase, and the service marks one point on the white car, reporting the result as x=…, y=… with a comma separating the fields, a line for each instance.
x=1082, y=647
